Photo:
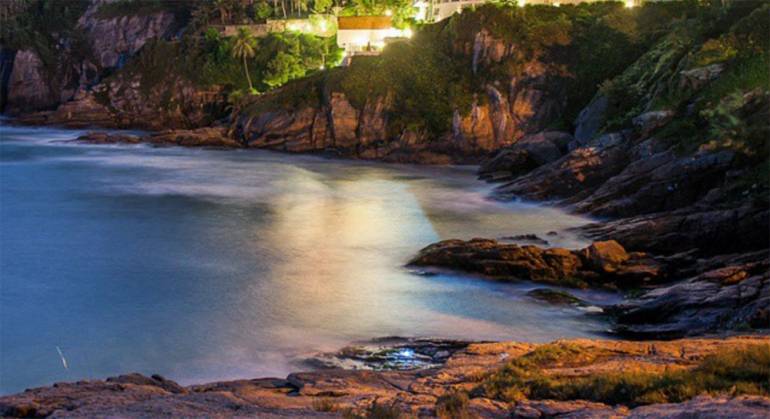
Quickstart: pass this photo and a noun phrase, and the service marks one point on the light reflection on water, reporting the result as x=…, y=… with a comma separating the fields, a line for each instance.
x=205, y=265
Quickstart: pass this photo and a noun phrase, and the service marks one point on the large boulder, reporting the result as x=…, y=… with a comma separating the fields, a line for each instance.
x=605, y=256
x=591, y=119
x=711, y=229
x=576, y=174
x=527, y=154
x=659, y=182
x=603, y=264
x=734, y=294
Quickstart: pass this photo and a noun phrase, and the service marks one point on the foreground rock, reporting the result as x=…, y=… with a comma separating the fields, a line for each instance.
x=603, y=264
x=334, y=393
x=731, y=292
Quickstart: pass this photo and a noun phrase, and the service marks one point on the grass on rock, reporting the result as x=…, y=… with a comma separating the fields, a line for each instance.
x=743, y=371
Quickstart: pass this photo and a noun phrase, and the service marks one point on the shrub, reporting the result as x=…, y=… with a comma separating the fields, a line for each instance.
x=324, y=404
x=453, y=405
x=743, y=371
x=377, y=410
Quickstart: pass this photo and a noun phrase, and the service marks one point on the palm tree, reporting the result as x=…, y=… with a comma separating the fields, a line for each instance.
x=243, y=48
x=224, y=12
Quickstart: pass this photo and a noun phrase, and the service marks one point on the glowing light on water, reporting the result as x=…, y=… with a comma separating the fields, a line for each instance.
x=406, y=353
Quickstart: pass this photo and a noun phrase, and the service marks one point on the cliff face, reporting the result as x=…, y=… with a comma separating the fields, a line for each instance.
x=35, y=85
x=503, y=111
x=82, y=84
x=114, y=39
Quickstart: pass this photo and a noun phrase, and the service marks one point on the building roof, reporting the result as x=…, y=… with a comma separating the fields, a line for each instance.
x=364, y=22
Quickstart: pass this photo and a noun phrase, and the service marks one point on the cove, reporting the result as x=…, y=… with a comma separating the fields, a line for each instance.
x=206, y=265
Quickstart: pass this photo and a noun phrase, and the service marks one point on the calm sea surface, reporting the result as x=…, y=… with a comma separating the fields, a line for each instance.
x=204, y=265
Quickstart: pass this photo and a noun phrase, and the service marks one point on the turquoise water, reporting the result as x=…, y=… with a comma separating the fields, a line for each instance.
x=206, y=265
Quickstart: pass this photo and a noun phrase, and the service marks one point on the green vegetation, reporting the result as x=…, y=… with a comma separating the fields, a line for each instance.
x=734, y=39
x=40, y=25
x=240, y=64
x=744, y=371
x=430, y=76
x=377, y=410
x=243, y=48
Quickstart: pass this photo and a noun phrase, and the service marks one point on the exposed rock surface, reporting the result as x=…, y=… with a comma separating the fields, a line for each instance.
x=335, y=125
x=114, y=39
x=502, y=112
x=528, y=153
x=732, y=293
x=27, y=86
x=331, y=393
x=83, y=87
x=123, y=102
x=718, y=293
x=600, y=264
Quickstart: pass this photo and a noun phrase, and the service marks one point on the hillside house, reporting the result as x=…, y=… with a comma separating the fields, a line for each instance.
x=366, y=34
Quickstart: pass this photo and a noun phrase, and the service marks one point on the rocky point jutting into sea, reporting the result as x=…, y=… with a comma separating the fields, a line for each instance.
x=652, y=121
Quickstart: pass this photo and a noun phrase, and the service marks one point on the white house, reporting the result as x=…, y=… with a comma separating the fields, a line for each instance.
x=366, y=34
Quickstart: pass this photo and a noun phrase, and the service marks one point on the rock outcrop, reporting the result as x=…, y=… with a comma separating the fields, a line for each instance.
x=27, y=85
x=114, y=39
x=200, y=137
x=335, y=125
x=71, y=89
x=604, y=264
x=700, y=296
x=731, y=292
x=336, y=392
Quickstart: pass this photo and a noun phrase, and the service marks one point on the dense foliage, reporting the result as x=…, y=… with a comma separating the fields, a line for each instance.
x=431, y=76
x=41, y=26
x=209, y=61
x=744, y=371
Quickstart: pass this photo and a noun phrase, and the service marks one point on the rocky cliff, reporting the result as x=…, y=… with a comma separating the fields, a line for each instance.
x=458, y=91
x=76, y=80
x=678, y=170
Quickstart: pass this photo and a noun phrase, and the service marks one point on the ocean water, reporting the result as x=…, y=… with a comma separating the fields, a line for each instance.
x=205, y=265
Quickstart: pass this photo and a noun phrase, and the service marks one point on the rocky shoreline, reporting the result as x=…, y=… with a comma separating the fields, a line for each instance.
x=454, y=386
x=670, y=162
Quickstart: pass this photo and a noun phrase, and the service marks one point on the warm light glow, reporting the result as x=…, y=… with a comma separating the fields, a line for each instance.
x=323, y=26
x=630, y=4
x=388, y=12
x=521, y=3
x=393, y=33
x=557, y=4
x=408, y=33
x=322, y=67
